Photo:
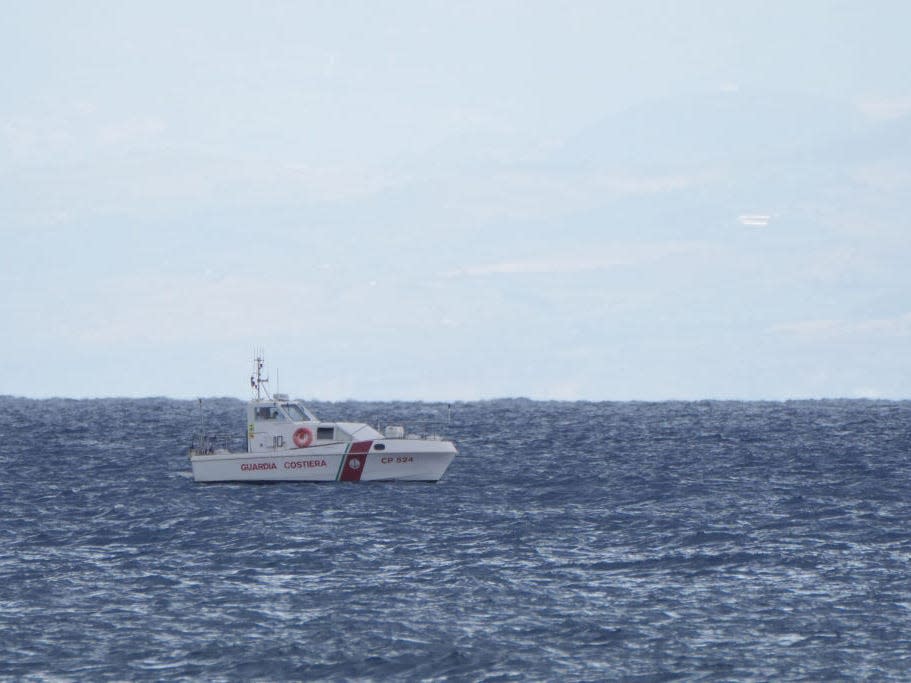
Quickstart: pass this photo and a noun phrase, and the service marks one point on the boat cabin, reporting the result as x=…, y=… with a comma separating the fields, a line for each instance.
x=278, y=423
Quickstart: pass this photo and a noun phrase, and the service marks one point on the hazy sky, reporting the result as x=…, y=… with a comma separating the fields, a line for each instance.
x=442, y=200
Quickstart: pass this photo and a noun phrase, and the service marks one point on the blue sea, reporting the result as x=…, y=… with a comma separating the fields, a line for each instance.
x=567, y=542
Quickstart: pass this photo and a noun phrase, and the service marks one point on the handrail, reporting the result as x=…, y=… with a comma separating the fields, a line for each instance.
x=204, y=444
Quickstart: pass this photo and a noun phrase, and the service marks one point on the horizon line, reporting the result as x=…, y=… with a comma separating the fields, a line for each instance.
x=528, y=399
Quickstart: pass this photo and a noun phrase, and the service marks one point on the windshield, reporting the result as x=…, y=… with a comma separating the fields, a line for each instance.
x=298, y=413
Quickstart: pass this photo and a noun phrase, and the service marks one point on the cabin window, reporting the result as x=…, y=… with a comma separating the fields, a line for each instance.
x=298, y=412
x=294, y=410
x=269, y=413
x=325, y=433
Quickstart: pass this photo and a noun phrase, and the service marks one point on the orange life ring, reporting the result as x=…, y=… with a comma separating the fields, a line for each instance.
x=303, y=437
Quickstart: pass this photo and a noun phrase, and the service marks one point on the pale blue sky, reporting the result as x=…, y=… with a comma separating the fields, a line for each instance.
x=450, y=201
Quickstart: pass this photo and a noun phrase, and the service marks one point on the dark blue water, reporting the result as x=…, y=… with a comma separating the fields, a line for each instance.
x=568, y=541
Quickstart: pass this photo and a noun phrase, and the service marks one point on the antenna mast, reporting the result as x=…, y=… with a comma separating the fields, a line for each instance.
x=256, y=379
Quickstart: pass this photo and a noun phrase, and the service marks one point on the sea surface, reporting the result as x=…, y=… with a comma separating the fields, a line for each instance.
x=567, y=541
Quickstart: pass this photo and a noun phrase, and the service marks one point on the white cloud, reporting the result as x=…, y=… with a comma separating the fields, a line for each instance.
x=884, y=176
x=74, y=132
x=832, y=330
x=524, y=195
x=842, y=263
x=335, y=182
x=759, y=220
x=156, y=308
x=26, y=139
x=885, y=108
x=610, y=257
x=540, y=266
x=162, y=309
x=119, y=183
x=131, y=131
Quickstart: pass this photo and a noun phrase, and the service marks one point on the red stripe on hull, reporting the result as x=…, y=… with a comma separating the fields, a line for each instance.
x=355, y=461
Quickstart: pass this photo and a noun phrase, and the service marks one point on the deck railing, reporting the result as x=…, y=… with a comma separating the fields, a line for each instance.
x=209, y=443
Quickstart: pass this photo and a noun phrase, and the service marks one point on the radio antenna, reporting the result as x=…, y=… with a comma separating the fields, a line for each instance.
x=257, y=381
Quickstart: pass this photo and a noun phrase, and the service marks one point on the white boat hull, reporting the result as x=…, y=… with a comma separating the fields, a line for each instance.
x=374, y=460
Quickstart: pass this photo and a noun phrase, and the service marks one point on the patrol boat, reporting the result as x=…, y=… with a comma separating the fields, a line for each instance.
x=286, y=442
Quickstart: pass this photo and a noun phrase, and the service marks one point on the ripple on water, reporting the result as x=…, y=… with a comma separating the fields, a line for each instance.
x=716, y=540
